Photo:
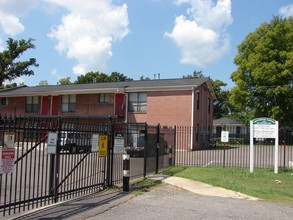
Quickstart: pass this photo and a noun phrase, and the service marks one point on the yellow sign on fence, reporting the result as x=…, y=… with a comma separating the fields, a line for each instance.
x=103, y=145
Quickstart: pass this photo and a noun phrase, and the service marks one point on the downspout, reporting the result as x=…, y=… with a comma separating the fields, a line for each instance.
x=192, y=118
x=126, y=108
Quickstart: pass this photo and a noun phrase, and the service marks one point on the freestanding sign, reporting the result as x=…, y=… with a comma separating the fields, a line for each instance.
x=225, y=136
x=264, y=128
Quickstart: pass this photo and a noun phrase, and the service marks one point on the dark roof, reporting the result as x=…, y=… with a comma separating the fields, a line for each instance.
x=126, y=86
x=226, y=121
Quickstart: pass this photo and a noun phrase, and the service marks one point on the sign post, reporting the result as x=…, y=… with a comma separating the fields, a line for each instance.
x=224, y=139
x=264, y=128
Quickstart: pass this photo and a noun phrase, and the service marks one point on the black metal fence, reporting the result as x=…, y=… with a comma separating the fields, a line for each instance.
x=31, y=176
x=235, y=153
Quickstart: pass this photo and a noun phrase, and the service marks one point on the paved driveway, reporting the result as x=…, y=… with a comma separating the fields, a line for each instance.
x=169, y=202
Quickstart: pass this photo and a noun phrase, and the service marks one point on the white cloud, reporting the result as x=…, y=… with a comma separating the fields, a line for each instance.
x=202, y=37
x=87, y=32
x=286, y=11
x=10, y=24
x=10, y=11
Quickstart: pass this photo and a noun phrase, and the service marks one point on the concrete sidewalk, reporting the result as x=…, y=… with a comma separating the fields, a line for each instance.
x=94, y=204
x=201, y=188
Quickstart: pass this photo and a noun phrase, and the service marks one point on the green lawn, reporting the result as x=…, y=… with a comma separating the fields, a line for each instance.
x=262, y=183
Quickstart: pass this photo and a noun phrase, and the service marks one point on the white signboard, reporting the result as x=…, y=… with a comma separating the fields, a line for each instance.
x=264, y=128
x=225, y=136
x=95, y=142
x=52, y=142
x=118, y=145
x=8, y=139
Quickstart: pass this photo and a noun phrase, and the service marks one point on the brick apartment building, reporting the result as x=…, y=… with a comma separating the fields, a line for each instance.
x=170, y=102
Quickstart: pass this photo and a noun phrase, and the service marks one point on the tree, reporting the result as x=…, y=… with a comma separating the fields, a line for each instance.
x=220, y=104
x=10, y=66
x=143, y=78
x=265, y=72
x=43, y=83
x=195, y=74
x=65, y=81
x=94, y=77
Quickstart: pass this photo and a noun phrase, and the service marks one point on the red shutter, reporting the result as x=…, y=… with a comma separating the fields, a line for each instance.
x=45, y=106
x=55, y=103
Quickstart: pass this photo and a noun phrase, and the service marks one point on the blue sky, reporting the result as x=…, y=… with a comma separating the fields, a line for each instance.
x=137, y=38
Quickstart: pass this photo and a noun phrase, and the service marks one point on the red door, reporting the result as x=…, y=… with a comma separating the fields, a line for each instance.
x=119, y=104
x=49, y=105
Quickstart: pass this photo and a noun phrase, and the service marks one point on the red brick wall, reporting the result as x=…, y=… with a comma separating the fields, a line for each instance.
x=90, y=105
x=169, y=108
x=15, y=106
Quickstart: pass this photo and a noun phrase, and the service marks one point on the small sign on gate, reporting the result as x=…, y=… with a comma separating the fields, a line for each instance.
x=7, y=160
x=103, y=145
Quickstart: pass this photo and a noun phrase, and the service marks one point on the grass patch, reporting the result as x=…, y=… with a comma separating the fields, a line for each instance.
x=143, y=185
x=262, y=183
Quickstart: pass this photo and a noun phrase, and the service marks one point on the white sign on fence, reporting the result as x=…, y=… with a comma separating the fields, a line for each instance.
x=95, y=142
x=52, y=142
x=264, y=128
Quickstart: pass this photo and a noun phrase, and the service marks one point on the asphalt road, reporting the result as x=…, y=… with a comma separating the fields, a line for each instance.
x=164, y=202
x=169, y=202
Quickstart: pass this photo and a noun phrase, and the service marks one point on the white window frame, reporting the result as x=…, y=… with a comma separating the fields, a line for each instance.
x=104, y=98
x=31, y=104
x=68, y=103
x=137, y=102
x=4, y=101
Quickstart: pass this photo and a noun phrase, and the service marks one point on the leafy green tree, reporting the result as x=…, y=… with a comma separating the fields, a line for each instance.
x=65, y=81
x=10, y=66
x=142, y=78
x=195, y=74
x=43, y=83
x=94, y=77
x=220, y=104
x=265, y=71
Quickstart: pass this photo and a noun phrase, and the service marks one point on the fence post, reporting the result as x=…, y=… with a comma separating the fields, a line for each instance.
x=224, y=155
x=175, y=147
x=284, y=154
x=145, y=151
x=110, y=153
x=158, y=149
x=126, y=172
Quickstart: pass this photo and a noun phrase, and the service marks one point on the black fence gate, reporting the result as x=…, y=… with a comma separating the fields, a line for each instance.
x=37, y=178
x=31, y=176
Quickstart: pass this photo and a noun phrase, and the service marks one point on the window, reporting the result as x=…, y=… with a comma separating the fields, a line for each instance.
x=209, y=105
x=137, y=102
x=31, y=104
x=3, y=101
x=104, y=98
x=197, y=101
x=68, y=103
